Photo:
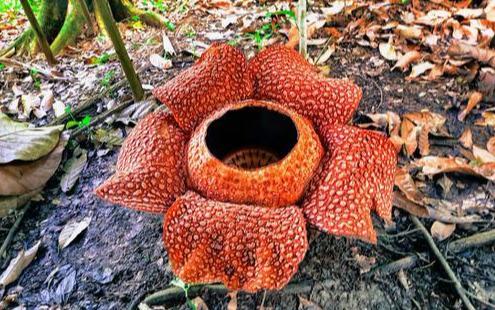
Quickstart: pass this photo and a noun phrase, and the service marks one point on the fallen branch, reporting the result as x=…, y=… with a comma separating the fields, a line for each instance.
x=13, y=230
x=460, y=290
x=174, y=293
x=455, y=247
x=44, y=72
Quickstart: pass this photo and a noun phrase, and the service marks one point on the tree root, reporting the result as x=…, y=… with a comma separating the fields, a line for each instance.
x=71, y=28
x=21, y=45
x=148, y=17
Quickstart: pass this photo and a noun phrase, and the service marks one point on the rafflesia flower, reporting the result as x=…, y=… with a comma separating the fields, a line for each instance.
x=249, y=155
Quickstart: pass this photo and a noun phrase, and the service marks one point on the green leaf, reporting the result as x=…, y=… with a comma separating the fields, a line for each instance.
x=71, y=124
x=170, y=26
x=19, y=142
x=67, y=109
x=85, y=121
x=73, y=168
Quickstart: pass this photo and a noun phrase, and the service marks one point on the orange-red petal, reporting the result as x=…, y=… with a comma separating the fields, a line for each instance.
x=220, y=76
x=355, y=178
x=283, y=75
x=279, y=184
x=245, y=247
x=150, y=170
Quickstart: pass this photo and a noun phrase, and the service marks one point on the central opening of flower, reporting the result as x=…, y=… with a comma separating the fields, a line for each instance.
x=251, y=137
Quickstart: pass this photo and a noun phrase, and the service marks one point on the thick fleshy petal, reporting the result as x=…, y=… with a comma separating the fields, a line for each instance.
x=220, y=76
x=355, y=178
x=283, y=75
x=280, y=183
x=245, y=247
x=150, y=170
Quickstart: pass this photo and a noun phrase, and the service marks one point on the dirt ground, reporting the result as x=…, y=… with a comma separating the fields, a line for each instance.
x=120, y=258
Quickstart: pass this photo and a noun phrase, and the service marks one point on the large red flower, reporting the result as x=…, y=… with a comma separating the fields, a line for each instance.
x=238, y=180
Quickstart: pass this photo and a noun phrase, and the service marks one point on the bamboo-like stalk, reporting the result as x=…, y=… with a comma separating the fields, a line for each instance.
x=43, y=42
x=103, y=9
x=302, y=27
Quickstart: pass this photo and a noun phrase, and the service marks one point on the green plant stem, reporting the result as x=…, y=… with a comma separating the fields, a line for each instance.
x=109, y=23
x=43, y=42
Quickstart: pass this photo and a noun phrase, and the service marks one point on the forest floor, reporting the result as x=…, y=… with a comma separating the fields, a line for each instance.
x=119, y=258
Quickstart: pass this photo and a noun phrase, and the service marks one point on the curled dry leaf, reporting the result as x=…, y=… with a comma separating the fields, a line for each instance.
x=473, y=101
x=466, y=139
x=416, y=127
x=389, y=120
x=47, y=101
x=490, y=145
x=486, y=81
x=419, y=69
x=293, y=37
x=441, y=231
x=18, y=264
x=336, y=7
x=433, y=18
x=409, y=134
x=73, y=168
x=400, y=201
x=71, y=231
x=167, y=45
x=432, y=165
x=20, y=142
x=23, y=177
x=387, y=50
x=406, y=60
x=405, y=183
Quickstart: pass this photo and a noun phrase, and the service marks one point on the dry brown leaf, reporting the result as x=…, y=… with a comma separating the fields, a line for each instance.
x=199, y=303
x=293, y=37
x=409, y=32
x=490, y=145
x=308, y=304
x=232, y=305
x=406, y=59
x=441, y=231
x=466, y=139
x=490, y=11
x=469, y=13
x=482, y=155
x=488, y=119
x=486, y=81
x=71, y=231
x=387, y=50
x=409, y=133
x=18, y=264
x=473, y=101
x=433, y=18
x=401, y=202
x=436, y=72
x=419, y=69
x=22, y=177
x=405, y=183
x=432, y=165
x=160, y=62
x=483, y=55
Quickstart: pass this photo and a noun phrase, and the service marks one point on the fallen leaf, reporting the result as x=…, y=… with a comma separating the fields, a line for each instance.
x=488, y=119
x=336, y=7
x=160, y=62
x=441, y=231
x=474, y=99
x=326, y=55
x=18, y=264
x=446, y=184
x=482, y=155
x=47, y=101
x=58, y=108
x=409, y=133
x=387, y=50
x=71, y=231
x=406, y=59
x=167, y=45
x=400, y=201
x=409, y=32
x=419, y=69
x=308, y=304
x=199, y=304
x=432, y=165
x=483, y=55
x=20, y=142
x=469, y=13
x=401, y=275
x=486, y=81
x=405, y=183
x=293, y=37
x=23, y=177
x=466, y=139
x=73, y=168
x=490, y=11
x=490, y=145
x=433, y=18
x=8, y=203
x=232, y=305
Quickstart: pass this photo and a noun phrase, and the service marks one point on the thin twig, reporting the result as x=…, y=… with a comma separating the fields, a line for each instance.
x=460, y=290
x=13, y=230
